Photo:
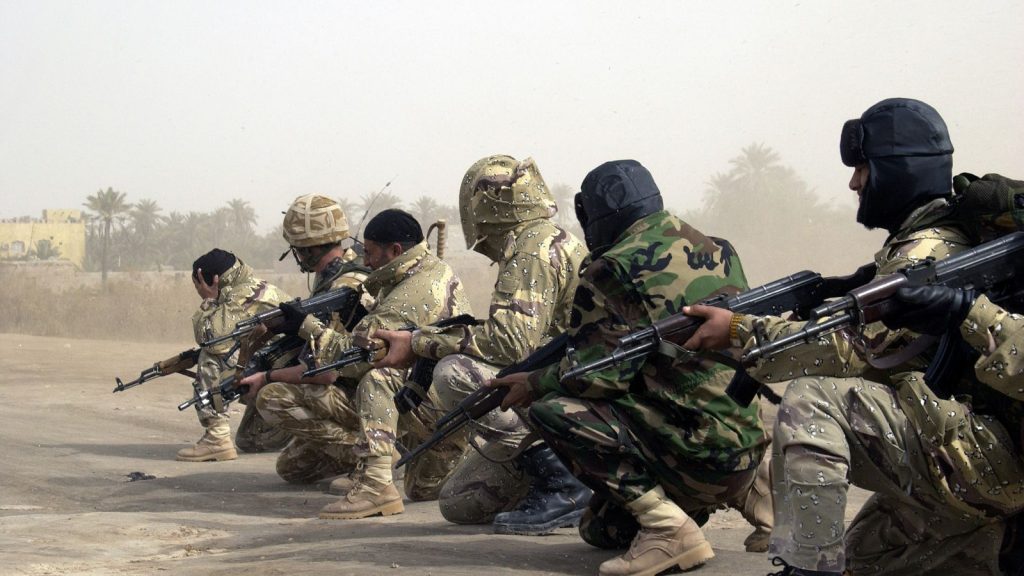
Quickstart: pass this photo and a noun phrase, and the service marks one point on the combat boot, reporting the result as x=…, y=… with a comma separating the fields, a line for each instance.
x=366, y=498
x=788, y=570
x=215, y=445
x=667, y=538
x=555, y=499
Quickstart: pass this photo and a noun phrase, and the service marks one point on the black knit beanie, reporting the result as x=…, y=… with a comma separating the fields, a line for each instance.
x=394, y=225
x=214, y=263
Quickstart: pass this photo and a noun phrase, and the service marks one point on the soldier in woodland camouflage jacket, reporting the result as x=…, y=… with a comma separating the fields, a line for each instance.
x=230, y=293
x=506, y=215
x=655, y=437
x=946, y=473
x=321, y=417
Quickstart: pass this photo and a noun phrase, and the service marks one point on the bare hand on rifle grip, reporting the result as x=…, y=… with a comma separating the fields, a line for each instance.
x=519, y=392
x=400, y=354
x=713, y=334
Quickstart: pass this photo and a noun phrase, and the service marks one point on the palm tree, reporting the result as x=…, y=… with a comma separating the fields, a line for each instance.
x=426, y=210
x=107, y=205
x=146, y=220
x=241, y=217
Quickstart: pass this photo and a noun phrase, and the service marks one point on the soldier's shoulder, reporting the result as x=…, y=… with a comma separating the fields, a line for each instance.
x=907, y=248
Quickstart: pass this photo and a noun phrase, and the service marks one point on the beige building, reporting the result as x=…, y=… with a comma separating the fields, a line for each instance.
x=63, y=229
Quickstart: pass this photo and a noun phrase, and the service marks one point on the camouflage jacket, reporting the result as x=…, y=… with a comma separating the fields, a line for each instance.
x=537, y=276
x=342, y=272
x=924, y=234
x=241, y=296
x=414, y=289
x=998, y=336
x=659, y=266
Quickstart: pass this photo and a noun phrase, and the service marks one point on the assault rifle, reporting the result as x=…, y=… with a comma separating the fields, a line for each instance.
x=795, y=293
x=177, y=364
x=262, y=360
x=344, y=300
x=367, y=349
x=991, y=268
x=485, y=399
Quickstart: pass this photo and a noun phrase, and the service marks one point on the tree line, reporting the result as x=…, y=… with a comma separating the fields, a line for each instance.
x=758, y=203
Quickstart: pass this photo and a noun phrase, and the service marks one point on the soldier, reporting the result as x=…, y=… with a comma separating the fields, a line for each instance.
x=321, y=417
x=945, y=472
x=230, y=292
x=411, y=287
x=506, y=213
x=655, y=437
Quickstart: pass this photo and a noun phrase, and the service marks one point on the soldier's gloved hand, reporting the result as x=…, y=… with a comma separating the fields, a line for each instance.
x=290, y=321
x=929, y=309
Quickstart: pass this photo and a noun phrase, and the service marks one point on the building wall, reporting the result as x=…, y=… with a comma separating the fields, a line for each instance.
x=17, y=238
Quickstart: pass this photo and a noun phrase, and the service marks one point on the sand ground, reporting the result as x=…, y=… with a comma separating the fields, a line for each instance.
x=66, y=506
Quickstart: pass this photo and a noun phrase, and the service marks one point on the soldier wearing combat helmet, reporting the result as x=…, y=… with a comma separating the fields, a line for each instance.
x=321, y=417
x=506, y=211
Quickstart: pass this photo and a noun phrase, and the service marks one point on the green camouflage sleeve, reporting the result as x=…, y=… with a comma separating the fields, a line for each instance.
x=522, y=306
x=998, y=336
x=604, y=310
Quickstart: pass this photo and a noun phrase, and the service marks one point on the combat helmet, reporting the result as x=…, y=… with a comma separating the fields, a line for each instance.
x=906, y=145
x=311, y=221
x=497, y=194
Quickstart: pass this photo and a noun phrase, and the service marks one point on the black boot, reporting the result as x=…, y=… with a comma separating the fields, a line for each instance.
x=556, y=499
x=788, y=570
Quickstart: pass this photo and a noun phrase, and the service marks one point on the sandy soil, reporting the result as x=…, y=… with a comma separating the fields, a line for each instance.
x=66, y=506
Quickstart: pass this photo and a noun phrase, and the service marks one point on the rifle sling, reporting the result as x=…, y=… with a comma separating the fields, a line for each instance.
x=903, y=355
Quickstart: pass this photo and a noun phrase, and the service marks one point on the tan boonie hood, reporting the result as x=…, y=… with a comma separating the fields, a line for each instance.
x=498, y=193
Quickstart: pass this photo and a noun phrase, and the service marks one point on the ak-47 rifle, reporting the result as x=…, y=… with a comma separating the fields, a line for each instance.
x=177, y=364
x=485, y=399
x=367, y=349
x=990, y=268
x=796, y=293
x=344, y=300
x=262, y=360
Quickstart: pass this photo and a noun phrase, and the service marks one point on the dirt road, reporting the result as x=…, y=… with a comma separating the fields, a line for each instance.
x=66, y=506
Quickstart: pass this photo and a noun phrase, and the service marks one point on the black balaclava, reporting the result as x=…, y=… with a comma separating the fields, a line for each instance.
x=909, y=155
x=214, y=263
x=393, y=225
x=612, y=198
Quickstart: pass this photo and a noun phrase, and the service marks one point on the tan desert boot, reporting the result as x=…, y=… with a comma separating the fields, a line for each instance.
x=365, y=500
x=209, y=448
x=344, y=484
x=668, y=537
x=654, y=551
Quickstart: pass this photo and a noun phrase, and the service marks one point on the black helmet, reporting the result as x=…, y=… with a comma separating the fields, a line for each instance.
x=906, y=146
x=614, y=196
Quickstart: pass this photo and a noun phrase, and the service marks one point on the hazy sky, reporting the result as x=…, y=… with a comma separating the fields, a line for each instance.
x=195, y=103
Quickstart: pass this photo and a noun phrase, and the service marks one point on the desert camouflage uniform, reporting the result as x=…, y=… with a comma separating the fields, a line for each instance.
x=945, y=472
x=322, y=418
x=241, y=296
x=414, y=289
x=655, y=421
x=538, y=264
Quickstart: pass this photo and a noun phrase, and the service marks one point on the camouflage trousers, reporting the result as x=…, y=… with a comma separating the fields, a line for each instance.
x=209, y=368
x=383, y=427
x=324, y=425
x=833, y=431
x=483, y=483
x=621, y=460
